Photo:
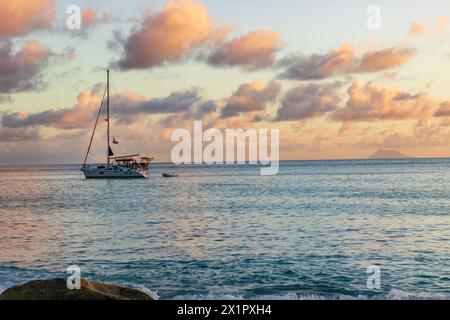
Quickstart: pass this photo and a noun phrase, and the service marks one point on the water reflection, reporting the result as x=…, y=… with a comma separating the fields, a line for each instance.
x=313, y=228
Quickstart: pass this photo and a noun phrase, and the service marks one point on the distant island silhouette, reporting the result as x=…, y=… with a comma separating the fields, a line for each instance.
x=388, y=154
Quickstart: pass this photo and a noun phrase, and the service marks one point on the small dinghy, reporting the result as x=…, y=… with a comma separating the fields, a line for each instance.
x=169, y=175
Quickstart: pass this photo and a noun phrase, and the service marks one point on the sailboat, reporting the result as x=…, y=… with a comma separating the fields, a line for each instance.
x=117, y=167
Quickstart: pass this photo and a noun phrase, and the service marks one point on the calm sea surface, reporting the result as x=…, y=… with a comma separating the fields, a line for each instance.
x=226, y=232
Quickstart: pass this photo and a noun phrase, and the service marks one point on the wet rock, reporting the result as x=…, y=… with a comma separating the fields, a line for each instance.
x=56, y=289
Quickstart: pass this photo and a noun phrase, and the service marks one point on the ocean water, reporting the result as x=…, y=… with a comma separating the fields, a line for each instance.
x=309, y=232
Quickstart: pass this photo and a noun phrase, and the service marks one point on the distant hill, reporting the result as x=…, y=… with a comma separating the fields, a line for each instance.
x=388, y=154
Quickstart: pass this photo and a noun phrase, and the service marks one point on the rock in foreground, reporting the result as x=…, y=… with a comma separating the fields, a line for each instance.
x=56, y=289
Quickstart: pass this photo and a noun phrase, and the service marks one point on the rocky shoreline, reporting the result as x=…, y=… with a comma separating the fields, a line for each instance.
x=56, y=289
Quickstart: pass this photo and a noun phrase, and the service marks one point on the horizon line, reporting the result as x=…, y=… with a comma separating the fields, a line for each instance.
x=234, y=163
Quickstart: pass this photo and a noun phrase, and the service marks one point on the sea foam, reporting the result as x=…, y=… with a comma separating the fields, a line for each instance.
x=393, y=294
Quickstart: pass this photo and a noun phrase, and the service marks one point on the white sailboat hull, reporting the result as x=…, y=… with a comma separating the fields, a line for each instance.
x=118, y=167
x=114, y=173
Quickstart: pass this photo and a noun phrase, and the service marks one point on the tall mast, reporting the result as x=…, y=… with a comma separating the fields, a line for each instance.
x=107, y=115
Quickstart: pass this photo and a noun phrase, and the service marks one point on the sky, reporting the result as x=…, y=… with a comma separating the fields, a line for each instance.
x=335, y=84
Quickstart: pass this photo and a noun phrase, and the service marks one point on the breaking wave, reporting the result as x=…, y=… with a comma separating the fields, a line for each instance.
x=152, y=294
x=393, y=294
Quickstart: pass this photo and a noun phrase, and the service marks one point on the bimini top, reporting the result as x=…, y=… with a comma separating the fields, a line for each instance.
x=132, y=158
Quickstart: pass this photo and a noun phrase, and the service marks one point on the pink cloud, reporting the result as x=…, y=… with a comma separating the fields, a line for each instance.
x=369, y=102
x=81, y=115
x=187, y=103
x=19, y=17
x=21, y=70
x=89, y=16
x=343, y=61
x=385, y=59
x=440, y=26
x=255, y=50
x=444, y=110
x=168, y=35
x=434, y=28
x=417, y=29
x=250, y=97
x=18, y=134
x=182, y=30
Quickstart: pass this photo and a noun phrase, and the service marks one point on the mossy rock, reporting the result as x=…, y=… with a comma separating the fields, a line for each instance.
x=56, y=289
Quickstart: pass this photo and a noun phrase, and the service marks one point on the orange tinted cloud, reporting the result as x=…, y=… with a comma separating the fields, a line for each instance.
x=343, y=61
x=338, y=59
x=18, y=134
x=369, y=102
x=349, y=129
x=421, y=134
x=81, y=115
x=417, y=29
x=168, y=35
x=255, y=50
x=440, y=26
x=187, y=103
x=20, y=70
x=435, y=28
x=444, y=110
x=384, y=59
x=250, y=97
x=19, y=17
x=90, y=17
x=184, y=29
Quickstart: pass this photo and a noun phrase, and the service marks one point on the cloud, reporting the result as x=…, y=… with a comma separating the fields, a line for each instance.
x=20, y=71
x=254, y=51
x=182, y=30
x=444, y=110
x=423, y=134
x=178, y=101
x=440, y=26
x=417, y=29
x=134, y=105
x=81, y=115
x=90, y=17
x=315, y=66
x=342, y=61
x=20, y=17
x=250, y=97
x=18, y=134
x=198, y=111
x=384, y=59
x=406, y=96
x=371, y=102
x=167, y=35
x=349, y=129
x=307, y=101
x=435, y=28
